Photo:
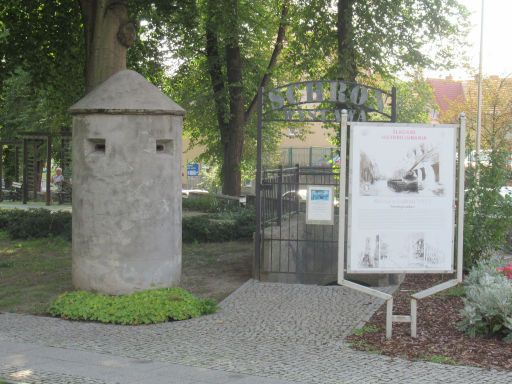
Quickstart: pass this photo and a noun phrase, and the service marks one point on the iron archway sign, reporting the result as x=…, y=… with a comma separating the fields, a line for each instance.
x=323, y=101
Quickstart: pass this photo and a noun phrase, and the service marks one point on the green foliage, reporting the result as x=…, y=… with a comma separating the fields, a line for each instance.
x=200, y=204
x=34, y=223
x=414, y=100
x=210, y=204
x=146, y=307
x=252, y=26
x=211, y=179
x=488, y=304
x=440, y=359
x=387, y=36
x=488, y=215
x=225, y=222
x=226, y=226
x=368, y=328
x=457, y=291
x=52, y=49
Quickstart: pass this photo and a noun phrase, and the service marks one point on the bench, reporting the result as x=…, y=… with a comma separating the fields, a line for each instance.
x=14, y=192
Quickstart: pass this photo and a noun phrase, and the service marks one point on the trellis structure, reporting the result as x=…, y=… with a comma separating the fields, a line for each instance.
x=16, y=145
x=33, y=151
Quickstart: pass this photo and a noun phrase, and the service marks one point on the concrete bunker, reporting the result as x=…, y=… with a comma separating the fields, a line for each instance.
x=127, y=190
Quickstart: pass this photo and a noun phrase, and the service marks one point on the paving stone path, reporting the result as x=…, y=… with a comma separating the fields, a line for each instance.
x=283, y=332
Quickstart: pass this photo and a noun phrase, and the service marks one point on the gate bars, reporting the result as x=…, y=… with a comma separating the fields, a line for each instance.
x=390, y=318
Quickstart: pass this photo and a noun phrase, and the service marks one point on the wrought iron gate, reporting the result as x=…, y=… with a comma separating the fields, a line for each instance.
x=286, y=248
x=291, y=250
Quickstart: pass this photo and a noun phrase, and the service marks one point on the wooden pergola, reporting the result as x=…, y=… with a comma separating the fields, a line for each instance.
x=25, y=142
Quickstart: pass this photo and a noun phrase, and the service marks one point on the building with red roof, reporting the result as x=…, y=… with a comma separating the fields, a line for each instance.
x=446, y=92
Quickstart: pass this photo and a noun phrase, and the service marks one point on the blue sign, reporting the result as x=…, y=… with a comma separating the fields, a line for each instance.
x=192, y=169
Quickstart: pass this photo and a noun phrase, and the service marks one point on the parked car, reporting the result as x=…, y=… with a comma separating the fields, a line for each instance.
x=185, y=193
x=301, y=194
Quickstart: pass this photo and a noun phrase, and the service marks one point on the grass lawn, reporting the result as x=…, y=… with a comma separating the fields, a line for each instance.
x=34, y=272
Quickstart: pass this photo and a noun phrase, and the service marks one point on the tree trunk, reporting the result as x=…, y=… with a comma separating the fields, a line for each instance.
x=214, y=61
x=233, y=138
x=108, y=35
x=346, y=49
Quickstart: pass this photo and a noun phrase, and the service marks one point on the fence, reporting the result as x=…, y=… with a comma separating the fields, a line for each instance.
x=308, y=157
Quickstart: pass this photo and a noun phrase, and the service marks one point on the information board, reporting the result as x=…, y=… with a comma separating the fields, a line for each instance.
x=401, y=198
x=320, y=205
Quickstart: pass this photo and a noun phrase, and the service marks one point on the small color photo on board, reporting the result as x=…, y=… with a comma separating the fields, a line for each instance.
x=320, y=194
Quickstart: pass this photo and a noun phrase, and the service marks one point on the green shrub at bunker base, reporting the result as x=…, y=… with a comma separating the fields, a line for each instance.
x=146, y=307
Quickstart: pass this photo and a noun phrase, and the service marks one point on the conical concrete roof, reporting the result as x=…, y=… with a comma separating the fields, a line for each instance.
x=126, y=92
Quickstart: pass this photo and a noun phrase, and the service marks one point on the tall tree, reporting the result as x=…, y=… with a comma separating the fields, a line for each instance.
x=235, y=45
x=347, y=65
x=232, y=115
x=496, y=112
x=235, y=50
x=362, y=38
x=82, y=42
x=44, y=38
x=108, y=35
x=416, y=101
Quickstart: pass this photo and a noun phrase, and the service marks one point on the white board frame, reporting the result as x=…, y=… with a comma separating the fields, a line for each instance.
x=329, y=205
x=351, y=177
x=412, y=318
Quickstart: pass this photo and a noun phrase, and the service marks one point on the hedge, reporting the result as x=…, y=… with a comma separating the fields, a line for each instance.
x=209, y=204
x=35, y=223
x=228, y=226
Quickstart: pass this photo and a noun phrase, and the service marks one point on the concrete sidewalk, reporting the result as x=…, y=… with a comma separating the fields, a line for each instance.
x=32, y=363
x=264, y=333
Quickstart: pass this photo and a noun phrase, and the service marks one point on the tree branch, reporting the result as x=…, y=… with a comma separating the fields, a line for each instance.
x=278, y=46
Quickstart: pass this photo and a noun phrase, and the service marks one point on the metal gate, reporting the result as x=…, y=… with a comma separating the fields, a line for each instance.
x=291, y=250
x=286, y=248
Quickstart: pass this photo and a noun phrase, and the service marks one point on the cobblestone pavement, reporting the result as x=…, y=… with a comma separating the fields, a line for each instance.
x=282, y=331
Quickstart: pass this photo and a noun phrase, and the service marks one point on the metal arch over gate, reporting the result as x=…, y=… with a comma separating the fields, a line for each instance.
x=287, y=249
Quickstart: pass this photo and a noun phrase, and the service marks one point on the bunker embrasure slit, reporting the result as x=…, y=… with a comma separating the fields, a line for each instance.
x=164, y=146
x=95, y=146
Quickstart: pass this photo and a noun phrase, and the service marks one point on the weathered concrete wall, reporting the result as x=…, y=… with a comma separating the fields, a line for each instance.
x=126, y=202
